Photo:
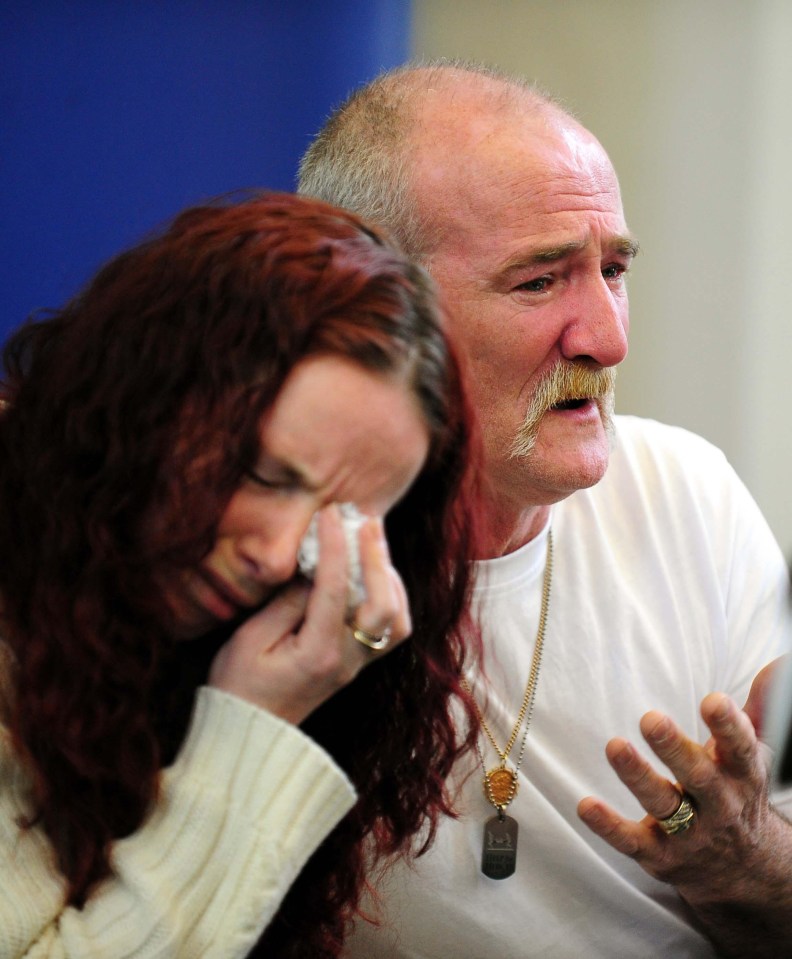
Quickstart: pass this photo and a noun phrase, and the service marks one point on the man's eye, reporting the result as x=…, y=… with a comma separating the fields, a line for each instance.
x=539, y=285
x=614, y=271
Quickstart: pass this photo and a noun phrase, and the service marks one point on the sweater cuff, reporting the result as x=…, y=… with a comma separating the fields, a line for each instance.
x=264, y=764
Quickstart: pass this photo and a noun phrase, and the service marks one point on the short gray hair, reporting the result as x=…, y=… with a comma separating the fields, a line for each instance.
x=360, y=158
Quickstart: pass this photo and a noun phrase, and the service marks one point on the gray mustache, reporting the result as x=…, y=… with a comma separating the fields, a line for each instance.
x=570, y=381
x=565, y=382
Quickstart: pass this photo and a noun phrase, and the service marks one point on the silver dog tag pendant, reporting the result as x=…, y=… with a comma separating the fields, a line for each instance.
x=499, y=855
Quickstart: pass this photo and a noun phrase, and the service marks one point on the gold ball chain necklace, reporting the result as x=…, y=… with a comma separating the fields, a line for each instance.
x=499, y=853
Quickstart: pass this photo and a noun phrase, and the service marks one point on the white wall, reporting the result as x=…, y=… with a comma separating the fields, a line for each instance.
x=693, y=101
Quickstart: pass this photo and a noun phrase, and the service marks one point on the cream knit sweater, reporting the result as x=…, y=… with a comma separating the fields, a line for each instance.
x=246, y=802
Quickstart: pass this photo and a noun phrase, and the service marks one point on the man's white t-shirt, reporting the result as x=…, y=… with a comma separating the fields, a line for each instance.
x=667, y=585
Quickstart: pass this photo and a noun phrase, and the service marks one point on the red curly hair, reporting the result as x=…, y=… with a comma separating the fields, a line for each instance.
x=132, y=414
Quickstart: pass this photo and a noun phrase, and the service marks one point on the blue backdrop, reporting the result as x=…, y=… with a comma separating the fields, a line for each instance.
x=116, y=114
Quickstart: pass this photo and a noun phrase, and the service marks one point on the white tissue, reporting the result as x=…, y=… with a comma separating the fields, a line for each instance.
x=308, y=554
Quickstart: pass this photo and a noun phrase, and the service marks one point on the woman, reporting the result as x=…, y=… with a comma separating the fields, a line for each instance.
x=189, y=729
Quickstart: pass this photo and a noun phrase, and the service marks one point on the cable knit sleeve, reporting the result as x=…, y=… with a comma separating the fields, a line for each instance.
x=247, y=801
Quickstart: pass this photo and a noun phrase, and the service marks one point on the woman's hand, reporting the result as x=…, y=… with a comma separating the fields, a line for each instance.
x=298, y=650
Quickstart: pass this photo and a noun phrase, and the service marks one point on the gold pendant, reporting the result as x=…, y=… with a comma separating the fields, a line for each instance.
x=500, y=786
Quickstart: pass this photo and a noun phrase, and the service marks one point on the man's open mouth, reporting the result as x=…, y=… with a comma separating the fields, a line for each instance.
x=570, y=404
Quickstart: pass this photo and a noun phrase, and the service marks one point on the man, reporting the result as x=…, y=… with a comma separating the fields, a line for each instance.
x=659, y=582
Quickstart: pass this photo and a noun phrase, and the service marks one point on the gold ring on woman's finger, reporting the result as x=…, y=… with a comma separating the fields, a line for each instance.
x=370, y=640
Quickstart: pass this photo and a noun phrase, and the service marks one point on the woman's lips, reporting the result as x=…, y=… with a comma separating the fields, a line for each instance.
x=220, y=598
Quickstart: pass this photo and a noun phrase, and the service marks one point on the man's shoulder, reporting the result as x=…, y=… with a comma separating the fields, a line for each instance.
x=662, y=477
x=641, y=432
x=648, y=445
x=653, y=462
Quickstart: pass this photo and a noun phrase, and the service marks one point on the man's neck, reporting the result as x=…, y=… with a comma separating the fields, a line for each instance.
x=503, y=531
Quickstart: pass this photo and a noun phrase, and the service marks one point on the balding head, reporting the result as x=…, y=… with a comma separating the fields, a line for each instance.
x=374, y=151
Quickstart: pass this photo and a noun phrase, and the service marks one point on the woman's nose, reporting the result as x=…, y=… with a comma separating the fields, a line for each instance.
x=271, y=554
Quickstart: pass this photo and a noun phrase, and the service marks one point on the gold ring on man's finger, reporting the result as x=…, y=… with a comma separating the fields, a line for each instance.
x=681, y=819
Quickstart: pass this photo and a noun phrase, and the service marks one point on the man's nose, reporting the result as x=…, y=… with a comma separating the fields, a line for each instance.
x=597, y=325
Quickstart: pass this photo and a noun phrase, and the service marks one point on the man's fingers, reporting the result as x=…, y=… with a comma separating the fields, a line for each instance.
x=624, y=835
x=658, y=796
x=690, y=763
x=733, y=734
x=756, y=704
